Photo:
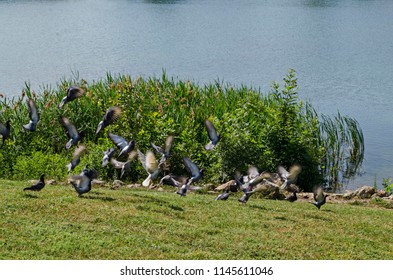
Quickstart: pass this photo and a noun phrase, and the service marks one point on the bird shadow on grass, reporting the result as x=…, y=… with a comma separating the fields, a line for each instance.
x=159, y=202
x=258, y=207
x=30, y=195
x=105, y=198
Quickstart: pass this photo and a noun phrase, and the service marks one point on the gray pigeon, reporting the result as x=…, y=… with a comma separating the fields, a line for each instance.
x=110, y=116
x=5, y=130
x=289, y=177
x=248, y=187
x=213, y=135
x=83, y=184
x=73, y=93
x=72, y=133
x=224, y=195
x=37, y=187
x=173, y=180
x=319, y=197
x=150, y=164
x=121, y=143
x=76, y=157
x=196, y=175
x=164, y=152
x=108, y=154
x=124, y=166
x=34, y=116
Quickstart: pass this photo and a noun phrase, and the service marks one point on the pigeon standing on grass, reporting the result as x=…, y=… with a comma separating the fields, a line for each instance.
x=37, y=187
x=110, y=116
x=76, y=157
x=213, y=135
x=33, y=114
x=319, y=197
x=121, y=143
x=73, y=93
x=72, y=133
x=5, y=130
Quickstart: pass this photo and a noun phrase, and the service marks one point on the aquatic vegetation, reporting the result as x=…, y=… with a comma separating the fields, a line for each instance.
x=266, y=130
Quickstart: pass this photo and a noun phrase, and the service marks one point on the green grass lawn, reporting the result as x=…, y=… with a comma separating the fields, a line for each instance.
x=146, y=224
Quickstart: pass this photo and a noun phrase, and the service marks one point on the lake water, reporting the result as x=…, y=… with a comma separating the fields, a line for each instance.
x=342, y=51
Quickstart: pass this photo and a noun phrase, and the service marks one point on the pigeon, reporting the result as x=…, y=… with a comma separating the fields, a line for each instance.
x=248, y=187
x=150, y=164
x=213, y=136
x=76, y=157
x=110, y=116
x=121, y=143
x=37, y=187
x=108, y=154
x=5, y=130
x=289, y=177
x=84, y=180
x=224, y=195
x=124, y=166
x=196, y=175
x=34, y=116
x=319, y=197
x=71, y=132
x=164, y=152
x=73, y=93
x=173, y=180
x=292, y=197
x=193, y=169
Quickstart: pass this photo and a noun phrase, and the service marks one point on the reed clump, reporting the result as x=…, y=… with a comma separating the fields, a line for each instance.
x=265, y=130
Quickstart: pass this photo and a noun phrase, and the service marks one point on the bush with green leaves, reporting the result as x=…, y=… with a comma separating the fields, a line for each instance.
x=265, y=130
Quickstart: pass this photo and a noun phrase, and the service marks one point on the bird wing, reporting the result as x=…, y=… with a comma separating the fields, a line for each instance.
x=151, y=162
x=79, y=151
x=168, y=144
x=294, y=171
x=283, y=172
x=191, y=167
x=112, y=114
x=318, y=194
x=74, y=92
x=3, y=129
x=33, y=113
x=260, y=178
x=211, y=130
x=119, y=141
x=142, y=158
x=157, y=149
x=72, y=132
x=252, y=172
x=117, y=164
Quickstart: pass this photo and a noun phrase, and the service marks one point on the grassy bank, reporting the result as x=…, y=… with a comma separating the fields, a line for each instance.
x=147, y=224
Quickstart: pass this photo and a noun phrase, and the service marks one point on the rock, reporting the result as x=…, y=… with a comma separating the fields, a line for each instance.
x=117, y=184
x=269, y=191
x=160, y=189
x=365, y=192
x=131, y=186
x=348, y=195
x=382, y=193
x=209, y=186
x=226, y=185
x=97, y=182
x=51, y=182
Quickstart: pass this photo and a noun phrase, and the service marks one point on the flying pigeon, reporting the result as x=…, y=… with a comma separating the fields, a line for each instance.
x=121, y=143
x=124, y=166
x=319, y=197
x=84, y=181
x=173, y=180
x=76, y=157
x=73, y=93
x=196, y=175
x=150, y=164
x=289, y=177
x=72, y=133
x=110, y=116
x=213, y=136
x=108, y=154
x=5, y=130
x=248, y=187
x=34, y=116
x=164, y=152
x=37, y=187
